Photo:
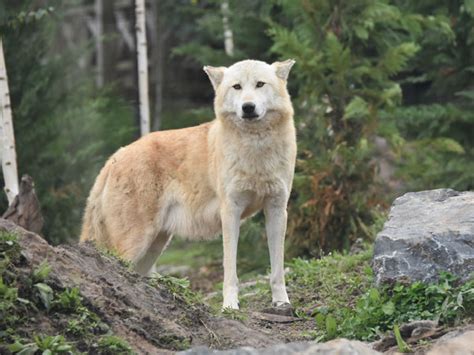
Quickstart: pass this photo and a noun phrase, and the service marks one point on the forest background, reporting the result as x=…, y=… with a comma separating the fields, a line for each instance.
x=383, y=93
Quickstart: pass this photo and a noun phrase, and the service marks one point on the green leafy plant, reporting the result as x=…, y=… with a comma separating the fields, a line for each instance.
x=234, y=314
x=69, y=300
x=41, y=272
x=179, y=287
x=347, y=56
x=377, y=310
x=46, y=294
x=8, y=299
x=402, y=345
x=9, y=249
x=112, y=345
x=47, y=345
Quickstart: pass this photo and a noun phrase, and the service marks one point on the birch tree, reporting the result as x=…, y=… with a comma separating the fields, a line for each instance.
x=99, y=46
x=228, y=34
x=159, y=32
x=142, y=59
x=7, y=137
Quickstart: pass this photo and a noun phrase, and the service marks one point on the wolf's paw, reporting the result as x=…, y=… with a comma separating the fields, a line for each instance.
x=231, y=297
x=234, y=304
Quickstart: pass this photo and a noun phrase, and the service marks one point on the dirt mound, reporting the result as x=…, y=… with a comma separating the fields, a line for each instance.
x=151, y=318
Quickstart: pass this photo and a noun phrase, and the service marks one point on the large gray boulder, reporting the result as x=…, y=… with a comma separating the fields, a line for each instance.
x=426, y=232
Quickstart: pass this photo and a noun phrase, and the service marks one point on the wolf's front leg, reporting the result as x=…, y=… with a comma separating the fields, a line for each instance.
x=275, y=225
x=230, y=215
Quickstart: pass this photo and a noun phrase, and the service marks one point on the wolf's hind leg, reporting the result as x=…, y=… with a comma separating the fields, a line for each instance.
x=145, y=265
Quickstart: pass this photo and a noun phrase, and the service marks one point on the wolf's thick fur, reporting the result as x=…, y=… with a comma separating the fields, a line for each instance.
x=200, y=181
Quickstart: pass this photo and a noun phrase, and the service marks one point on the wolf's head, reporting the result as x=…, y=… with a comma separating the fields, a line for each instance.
x=251, y=92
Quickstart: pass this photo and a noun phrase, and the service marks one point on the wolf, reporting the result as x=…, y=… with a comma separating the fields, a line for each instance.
x=202, y=181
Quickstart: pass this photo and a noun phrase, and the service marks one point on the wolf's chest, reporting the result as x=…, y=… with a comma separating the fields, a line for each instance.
x=263, y=170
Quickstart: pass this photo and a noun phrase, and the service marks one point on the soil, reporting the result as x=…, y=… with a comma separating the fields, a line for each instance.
x=150, y=318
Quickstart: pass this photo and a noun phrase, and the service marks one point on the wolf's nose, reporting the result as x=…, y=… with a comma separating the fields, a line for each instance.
x=248, y=108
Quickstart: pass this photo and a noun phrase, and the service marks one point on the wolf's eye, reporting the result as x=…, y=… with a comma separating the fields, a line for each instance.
x=260, y=84
x=237, y=87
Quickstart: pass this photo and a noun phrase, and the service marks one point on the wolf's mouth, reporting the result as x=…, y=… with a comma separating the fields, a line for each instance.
x=249, y=116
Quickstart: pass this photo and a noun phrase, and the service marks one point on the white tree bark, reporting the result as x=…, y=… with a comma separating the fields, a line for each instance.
x=142, y=59
x=99, y=46
x=228, y=34
x=7, y=136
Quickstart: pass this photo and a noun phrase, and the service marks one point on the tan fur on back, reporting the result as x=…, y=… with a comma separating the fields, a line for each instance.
x=176, y=181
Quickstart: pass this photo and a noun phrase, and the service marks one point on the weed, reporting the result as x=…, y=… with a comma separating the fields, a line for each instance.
x=9, y=249
x=8, y=301
x=46, y=294
x=46, y=344
x=333, y=281
x=69, y=300
x=234, y=314
x=175, y=342
x=115, y=255
x=377, y=310
x=41, y=272
x=402, y=345
x=337, y=291
x=178, y=287
x=85, y=322
x=109, y=344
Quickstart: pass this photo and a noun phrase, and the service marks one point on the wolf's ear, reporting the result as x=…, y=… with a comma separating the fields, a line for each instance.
x=282, y=69
x=215, y=74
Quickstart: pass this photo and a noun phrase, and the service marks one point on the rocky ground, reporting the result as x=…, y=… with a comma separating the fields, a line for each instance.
x=78, y=299
x=151, y=316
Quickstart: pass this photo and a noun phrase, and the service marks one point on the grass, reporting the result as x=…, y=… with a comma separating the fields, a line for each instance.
x=252, y=250
x=337, y=291
x=337, y=297
x=178, y=287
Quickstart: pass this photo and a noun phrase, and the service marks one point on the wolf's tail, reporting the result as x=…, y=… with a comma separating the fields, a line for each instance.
x=93, y=224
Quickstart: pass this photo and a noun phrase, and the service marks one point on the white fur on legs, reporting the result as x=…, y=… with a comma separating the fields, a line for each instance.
x=275, y=225
x=230, y=216
x=146, y=264
x=152, y=271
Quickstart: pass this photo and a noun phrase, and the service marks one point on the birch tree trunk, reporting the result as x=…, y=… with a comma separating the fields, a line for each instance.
x=7, y=136
x=99, y=45
x=159, y=34
x=142, y=59
x=228, y=34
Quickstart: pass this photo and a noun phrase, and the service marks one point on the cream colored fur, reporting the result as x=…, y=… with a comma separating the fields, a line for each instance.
x=201, y=181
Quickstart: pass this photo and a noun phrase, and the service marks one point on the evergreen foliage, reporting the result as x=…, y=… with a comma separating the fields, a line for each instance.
x=347, y=54
x=64, y=127
x=364, y=69
x=437, y=119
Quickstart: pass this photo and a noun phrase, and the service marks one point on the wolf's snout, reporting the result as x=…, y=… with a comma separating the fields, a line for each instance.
x=248, y=108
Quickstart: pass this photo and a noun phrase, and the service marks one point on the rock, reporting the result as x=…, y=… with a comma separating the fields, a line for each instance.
x=411, y=332
x=418, y=328
x=427, y=232
x=333, y=347
x=460, y=342
x=284, y=309
x=274, y=318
